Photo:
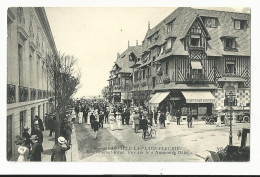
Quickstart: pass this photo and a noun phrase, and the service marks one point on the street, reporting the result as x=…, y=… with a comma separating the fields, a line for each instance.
x=174, y=143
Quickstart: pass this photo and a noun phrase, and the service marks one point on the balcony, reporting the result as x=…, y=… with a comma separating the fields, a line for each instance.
x=195, y=78
x=11, y=94
x=23, y=94
x=33, y=94
x=196, y=48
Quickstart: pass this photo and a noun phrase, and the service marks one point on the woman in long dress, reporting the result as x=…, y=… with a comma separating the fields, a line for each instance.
x=118, y=120
x=80, y=117
x=23, y=151
x=167, y=121
x=112, y=119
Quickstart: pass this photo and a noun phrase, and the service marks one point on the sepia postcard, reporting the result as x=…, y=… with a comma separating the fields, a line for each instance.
x=128, y=84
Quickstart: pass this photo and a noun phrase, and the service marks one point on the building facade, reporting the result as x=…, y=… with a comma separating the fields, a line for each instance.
x=120, y=79
x=194, y=58
x=29, y=86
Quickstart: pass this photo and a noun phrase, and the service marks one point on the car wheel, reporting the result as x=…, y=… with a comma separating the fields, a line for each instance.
x=209, y=159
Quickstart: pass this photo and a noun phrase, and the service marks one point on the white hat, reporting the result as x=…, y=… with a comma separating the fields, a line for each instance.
x=61, y=140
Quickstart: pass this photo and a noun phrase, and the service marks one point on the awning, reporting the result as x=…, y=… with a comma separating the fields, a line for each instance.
x=154, y=97
x=198, y=96
x=161, y=96
x=196, y=65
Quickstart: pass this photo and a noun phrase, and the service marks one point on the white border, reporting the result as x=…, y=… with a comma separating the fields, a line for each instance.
x=252, y=167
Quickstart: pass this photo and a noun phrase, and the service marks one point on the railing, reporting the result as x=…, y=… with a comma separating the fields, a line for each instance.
x=23, y=94
x=200, y=77
x=196, y=48
x=11, y=94
x=44, y=94
x=33, y=94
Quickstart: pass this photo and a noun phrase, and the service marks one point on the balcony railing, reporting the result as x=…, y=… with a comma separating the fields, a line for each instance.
x=191, y=77
x=33, y=94
x=23, y=94
x=11, y=94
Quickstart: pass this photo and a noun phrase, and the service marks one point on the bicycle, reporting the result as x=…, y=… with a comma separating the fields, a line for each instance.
x=149, y=133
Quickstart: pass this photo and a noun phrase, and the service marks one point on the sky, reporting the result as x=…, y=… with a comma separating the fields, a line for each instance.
x=94, y=35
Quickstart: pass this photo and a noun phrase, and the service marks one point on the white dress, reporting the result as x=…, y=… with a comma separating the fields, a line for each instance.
x=80, y=117
x=111, y=118
x=23, y=154
x=88, y=120
x=167, y=121
x=119, y=121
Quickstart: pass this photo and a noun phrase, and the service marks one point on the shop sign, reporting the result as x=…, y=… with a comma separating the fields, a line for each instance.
x=175, y=98
x=200, y=100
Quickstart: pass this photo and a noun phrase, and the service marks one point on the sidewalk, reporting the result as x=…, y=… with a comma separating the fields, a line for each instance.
x=48, y=143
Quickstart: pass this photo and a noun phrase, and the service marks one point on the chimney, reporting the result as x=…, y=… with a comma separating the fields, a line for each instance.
x=148, y=25
x=118, y=55
x=128, y=43
x=136, y=42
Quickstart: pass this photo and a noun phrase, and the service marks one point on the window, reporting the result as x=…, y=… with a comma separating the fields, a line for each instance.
x=230, y=43
x=126, y=82
x=195, y=42
x=211, y=22
x=9, y=145
x=161, y=50
x=169, y=44
x=169, y=27
x=22, y=121
x=167, y=68
x=240, y=24
x=144, y=74
x=20, y=65
x=230, y=67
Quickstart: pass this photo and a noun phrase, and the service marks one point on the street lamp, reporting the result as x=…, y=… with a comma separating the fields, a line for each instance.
x=231, y=102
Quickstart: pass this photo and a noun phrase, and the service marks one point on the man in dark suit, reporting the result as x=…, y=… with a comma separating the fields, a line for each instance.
x=101, y=119
x=38, y=121
x=178, y=116
x=127, y=116
x=36, y=154
x=58, y=151
x=92, y=119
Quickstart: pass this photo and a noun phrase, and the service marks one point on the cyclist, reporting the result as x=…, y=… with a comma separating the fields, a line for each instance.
x=144, y=125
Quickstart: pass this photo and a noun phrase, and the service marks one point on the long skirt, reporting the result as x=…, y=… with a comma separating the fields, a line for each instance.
x=119, y=122
x=80, y=119
x=112, y=125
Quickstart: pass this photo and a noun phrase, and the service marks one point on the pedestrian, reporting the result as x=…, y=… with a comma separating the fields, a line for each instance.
x=132, y=119
x=36, y=131
x=101, y=119
x=95, y=127
x=219, y=119
x=111, y=119
x=137, y=121
x=38, y=121
x=68, y=131
x=160, y=117
x=150, y=117
x=85, y=113
x=23, y=151
x=51, y=125
x=189, y=119
x=167, y=117
x=92, y=118
x=123, y=117
x=127, y=116
x=73, y=115
x=89, y=114
x=80, y=117
x=58, y=151
x=178, y=117
x=26, y=136
x=155, y=117
x=118, y=120
x=106, y=116
x=36, y=154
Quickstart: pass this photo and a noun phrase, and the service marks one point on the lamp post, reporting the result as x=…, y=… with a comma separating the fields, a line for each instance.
x=231, y=100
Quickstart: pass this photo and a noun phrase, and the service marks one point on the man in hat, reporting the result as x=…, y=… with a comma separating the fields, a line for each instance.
x=36, y=131
x=178, y=116
x=144, y=124
x=101, y=119
x=36, y=154
x=92, y=118
x=189, y=119
x=95, y=124
x=58, y=151
x=26, y=136
x=67, y=131
x=38, y=121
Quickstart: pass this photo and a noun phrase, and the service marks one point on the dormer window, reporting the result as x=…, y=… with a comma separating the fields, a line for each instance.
x=170, y=26
x=195, y=40
x=230, y=43
x=240, y=24
x=211, y=22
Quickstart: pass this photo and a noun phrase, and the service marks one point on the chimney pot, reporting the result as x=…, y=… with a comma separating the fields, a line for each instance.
x=128, y=43
x=148, y=25
x=136, y=42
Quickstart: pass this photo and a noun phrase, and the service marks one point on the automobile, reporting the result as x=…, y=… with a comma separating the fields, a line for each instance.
x=212, y=119
x=243, y=115
x=233, y=153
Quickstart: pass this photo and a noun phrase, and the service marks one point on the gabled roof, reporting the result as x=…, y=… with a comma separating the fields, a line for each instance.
x=123, y=60
x=183, y=19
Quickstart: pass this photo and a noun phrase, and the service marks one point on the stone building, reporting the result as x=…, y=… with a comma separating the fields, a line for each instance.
x=29, y=91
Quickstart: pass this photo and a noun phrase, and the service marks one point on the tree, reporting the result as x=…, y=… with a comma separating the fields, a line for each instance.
x=66, y=79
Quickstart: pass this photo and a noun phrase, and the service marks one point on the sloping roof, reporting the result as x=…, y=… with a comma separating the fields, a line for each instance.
x=123, y=60
x=183, y=19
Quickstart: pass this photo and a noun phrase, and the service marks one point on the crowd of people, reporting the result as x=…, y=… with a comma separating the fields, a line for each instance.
x=30, y=144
